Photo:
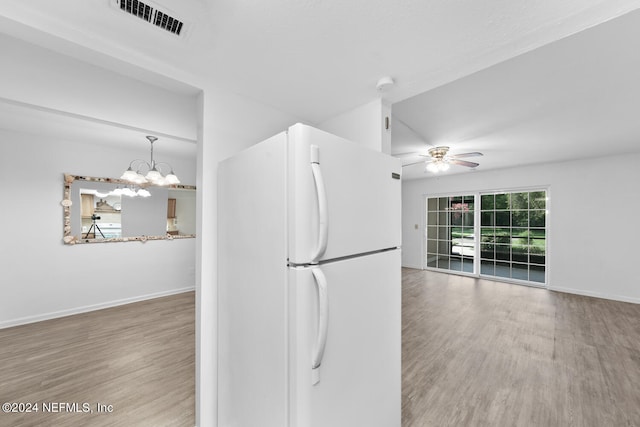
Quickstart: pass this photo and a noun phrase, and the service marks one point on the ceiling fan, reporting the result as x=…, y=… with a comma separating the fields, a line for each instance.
x=439, y=160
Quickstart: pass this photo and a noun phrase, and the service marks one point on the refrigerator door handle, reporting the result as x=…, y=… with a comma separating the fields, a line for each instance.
x=323, y=226
x=323, y=323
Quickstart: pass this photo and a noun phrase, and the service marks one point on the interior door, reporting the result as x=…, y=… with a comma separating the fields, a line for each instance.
x=359, y=374
x=363, y=196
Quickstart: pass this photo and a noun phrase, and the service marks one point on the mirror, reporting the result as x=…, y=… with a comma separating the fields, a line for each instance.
x=100, y=210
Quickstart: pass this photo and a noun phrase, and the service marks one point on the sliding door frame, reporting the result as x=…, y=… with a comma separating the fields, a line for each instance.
x=477, y=226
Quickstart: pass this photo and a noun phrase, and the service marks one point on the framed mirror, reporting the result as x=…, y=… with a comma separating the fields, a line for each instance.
x=102, y=210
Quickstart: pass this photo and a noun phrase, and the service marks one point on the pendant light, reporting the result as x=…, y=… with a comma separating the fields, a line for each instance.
x=153, y=175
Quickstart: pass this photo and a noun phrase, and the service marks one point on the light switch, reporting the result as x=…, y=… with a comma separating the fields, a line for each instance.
x=416, y=226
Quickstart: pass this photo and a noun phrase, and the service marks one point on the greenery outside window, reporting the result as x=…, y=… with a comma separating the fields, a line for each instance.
x=513, y=235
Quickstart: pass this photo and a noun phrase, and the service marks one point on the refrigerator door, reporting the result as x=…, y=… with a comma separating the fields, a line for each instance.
x=357, y=382
x=344, y=199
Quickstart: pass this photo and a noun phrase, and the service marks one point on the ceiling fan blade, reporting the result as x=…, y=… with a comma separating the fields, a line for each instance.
x=413, y=154
x=463, y=163
x=459, y=156
x=415, y=163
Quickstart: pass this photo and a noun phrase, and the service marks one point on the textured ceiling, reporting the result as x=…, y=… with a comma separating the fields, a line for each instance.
x=314, y=59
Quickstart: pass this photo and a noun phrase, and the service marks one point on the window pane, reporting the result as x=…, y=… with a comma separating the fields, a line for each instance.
x=432, y=260
x=487, y=251
x=487, y=267
x=503, y=269
x=444, y=247
x=520, y=218
x=432, y=232
x=443, y=233
x=469, y=201
x=537, y=218
x=432, y=218
x=467, y=220
x=538, y=200
x=536, y=273
x=467, y=265
x=443, y=262
x=432, y=204
x=535, y=258
x=443, y=218
x=487, y=202
x=503, y=252
x=456, y=218
x=521, y=234
x=502, y=201
x=487, y=218
x=443, y=203
x=432, y=246
x=503, y=218
x=537, y=237
x=455, y=263
x=520, y=271
x=519, y=201
x=519, y=253
x=503, y=235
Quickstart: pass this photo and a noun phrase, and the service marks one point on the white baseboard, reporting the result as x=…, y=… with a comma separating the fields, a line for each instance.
x=93, y=307
x=417, y=267
x=595, y=294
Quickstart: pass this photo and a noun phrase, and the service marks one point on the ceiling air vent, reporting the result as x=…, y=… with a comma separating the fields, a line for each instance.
x=151, y=14
x=166, y=22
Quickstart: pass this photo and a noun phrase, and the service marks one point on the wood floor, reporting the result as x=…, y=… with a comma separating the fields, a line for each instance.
x=482, y=353
x=139, y=358
x=474, y=353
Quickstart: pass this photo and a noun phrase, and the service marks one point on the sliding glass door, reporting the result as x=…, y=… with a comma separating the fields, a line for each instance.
x=512, y=234
x=450, y=233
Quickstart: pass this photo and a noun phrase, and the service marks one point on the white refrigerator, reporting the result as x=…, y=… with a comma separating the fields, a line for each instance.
x=309, y=284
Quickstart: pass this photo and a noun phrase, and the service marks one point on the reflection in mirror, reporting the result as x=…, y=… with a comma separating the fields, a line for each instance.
x=100, y=210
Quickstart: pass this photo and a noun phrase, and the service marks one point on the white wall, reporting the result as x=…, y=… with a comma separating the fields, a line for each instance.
x=593, y=212
x=364, y=125
x=37, y=76
x=41, y=277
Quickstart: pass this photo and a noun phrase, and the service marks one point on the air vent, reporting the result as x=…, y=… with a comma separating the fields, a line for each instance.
x=137, y=8
x=152, y=15
x=168, y=23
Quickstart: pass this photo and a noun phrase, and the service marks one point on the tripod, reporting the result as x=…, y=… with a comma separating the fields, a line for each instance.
x=94, y=227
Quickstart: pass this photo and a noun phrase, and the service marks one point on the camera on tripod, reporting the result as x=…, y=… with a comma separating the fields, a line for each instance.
x=94, y=227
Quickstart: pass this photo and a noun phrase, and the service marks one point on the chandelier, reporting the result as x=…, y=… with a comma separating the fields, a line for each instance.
x=153, y=170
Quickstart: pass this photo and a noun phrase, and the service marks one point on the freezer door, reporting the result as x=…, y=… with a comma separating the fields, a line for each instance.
x=357, y=382
x=358, y=189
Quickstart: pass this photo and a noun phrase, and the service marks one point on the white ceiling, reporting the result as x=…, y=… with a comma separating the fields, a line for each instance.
x=576, y=98
x=314, y=59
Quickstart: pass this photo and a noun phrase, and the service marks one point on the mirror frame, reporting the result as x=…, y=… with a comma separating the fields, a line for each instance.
x=66, y=205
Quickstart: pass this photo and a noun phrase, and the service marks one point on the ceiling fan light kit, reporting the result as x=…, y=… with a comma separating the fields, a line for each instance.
x=437, y=166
